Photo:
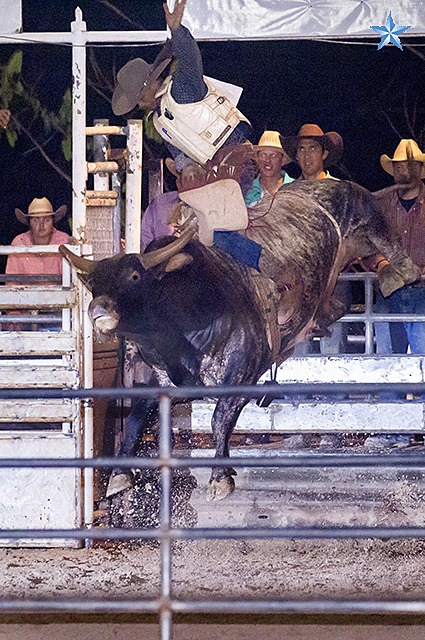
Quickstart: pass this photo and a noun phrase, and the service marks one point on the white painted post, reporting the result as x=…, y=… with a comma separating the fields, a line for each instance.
x=66, y=282
x=79, y=176
x=101, y=146
x=133, y=207
x=88, y=435
x=116, y=183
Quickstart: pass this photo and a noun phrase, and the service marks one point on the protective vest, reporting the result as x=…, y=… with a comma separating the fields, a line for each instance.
x=197, y=128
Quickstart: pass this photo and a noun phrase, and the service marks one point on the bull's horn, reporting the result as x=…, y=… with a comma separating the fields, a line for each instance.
x=152, y=258
x=83, y=264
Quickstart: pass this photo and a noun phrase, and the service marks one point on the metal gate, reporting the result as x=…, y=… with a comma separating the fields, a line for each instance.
x=45, y=344
x=166, y=604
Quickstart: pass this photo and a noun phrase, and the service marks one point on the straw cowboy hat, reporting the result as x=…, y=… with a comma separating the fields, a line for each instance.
x=406, y=150
x=40, y=207
x=135, y=77
x=331, y=141
x=271, y=140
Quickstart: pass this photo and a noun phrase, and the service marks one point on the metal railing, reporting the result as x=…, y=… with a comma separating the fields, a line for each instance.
x=57, y=318
x=368, y=317
x=166, y=604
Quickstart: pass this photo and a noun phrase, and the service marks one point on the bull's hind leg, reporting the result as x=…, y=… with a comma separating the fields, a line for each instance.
x=400, y=271
x=226, y=414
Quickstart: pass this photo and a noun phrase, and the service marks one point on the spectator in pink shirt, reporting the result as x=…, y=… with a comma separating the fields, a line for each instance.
x=40, y=219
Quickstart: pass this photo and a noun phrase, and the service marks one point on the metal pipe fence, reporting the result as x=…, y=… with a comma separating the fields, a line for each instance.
x=369, y=317
x=166, y=605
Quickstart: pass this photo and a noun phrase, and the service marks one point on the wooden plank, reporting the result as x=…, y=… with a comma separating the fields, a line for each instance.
x=38, y=410
x=90, y=195
x=39, y=498
x=36, y=297
x=37, y=343
x=101, y=202
x=329, y=416
x=19, y=376
x=314, y=369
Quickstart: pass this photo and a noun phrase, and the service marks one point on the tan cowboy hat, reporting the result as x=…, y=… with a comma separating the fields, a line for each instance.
x=331, y=141
x=40, y=207
x=406, y=150
x=271, y=140
x=135, y=77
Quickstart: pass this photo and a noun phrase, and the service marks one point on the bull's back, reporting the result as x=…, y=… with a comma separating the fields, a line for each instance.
x=306, y=240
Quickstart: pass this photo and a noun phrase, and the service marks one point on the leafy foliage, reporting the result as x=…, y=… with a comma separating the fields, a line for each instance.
x=11, y=86
x=30, y=117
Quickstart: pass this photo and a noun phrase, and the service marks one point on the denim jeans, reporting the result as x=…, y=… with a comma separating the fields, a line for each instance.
x=411, y=300
x=395, y=337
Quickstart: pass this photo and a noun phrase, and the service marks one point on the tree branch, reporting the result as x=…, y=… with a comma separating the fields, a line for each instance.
x=122, y=15
x=64, y=175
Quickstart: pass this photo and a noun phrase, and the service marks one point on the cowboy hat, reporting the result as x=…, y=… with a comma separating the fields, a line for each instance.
x=40, y=207
x=406, y=150
x=271, y=140
x=331, y=141
x=135, y=77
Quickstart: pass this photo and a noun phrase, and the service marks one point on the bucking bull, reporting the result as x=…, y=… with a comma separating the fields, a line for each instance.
x=195, y=313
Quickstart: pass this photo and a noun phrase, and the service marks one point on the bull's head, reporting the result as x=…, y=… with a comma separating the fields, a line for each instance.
x=99, y=276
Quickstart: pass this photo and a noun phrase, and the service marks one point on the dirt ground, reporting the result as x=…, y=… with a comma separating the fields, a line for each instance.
x=355, y=570
x=202, y=569
x=301, y=570
x=226, y=629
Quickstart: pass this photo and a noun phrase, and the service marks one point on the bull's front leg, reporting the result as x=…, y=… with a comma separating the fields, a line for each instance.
x=141, y=415
x=225, y=416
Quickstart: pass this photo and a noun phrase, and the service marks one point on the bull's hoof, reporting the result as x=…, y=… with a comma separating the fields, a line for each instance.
x=117, y=483
x=390, y=280
x=218, y=490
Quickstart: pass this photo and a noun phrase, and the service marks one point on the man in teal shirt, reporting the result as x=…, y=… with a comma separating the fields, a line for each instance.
x=270, y=159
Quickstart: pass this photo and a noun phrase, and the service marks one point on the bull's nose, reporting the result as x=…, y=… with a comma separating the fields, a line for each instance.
x=106, y=324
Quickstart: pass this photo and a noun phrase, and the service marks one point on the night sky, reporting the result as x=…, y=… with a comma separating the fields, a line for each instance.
x=353, y=89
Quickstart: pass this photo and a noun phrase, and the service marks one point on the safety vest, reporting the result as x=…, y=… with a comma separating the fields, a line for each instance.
x=197, y=128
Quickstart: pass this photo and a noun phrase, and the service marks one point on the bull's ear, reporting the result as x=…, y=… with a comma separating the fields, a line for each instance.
x=178, y=262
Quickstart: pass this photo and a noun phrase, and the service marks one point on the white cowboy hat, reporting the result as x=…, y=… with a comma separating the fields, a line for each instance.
x=40, y=207
x=407, y=150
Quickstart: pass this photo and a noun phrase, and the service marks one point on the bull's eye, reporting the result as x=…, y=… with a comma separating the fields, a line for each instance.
x=135, y=276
